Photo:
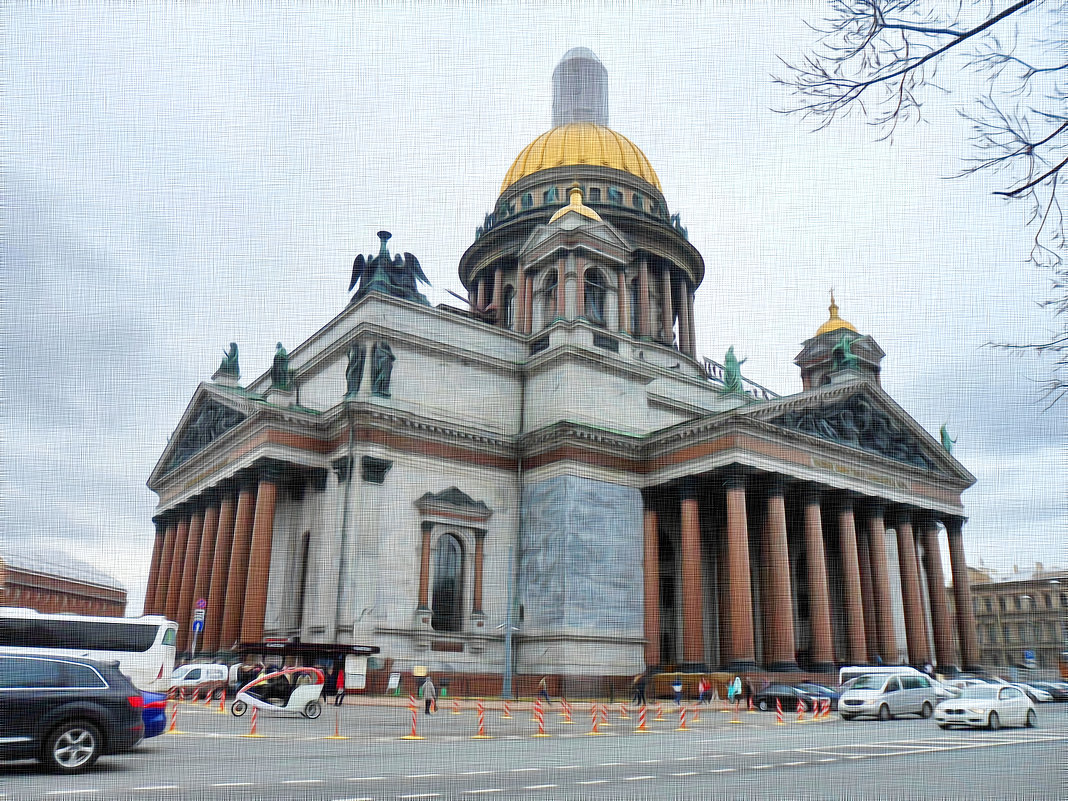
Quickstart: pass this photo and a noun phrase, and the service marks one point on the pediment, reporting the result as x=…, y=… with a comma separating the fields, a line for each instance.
x=573, y=231
x=453, y=502
x=863, y=417
x=209, y=416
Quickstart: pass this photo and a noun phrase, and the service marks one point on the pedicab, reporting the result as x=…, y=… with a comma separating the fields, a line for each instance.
x=293, y=691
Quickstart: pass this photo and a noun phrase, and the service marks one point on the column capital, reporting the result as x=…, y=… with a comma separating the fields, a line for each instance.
x=426, y=526
x=210, y=497
x=687, y=488
x=735, y=477
x=811, y=492
x=480, y=534
x=875, y=507
x=273, y=470
x=847, y=500
x=899, y=513
x=774, y=484
x=954, y=524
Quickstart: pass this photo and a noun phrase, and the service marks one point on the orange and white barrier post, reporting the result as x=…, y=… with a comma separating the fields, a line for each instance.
x=413, y=734
x=682, y=718
x=196, y=695
x=659, y=711
x=623, y=712
x=253, y=730
x=800, y=711
x=565, y=710
x=697, y=713
x=481, y=709
x=222, y=703
x=826, y=708
x=507, y=710
x=641, y=720
x=173, y=728
x=181, y=695
x=595, y=718
x=456, y=707
x=752, y=708
x=207, y=698
x=539, y=718
x=337, y=725
x=778, y=713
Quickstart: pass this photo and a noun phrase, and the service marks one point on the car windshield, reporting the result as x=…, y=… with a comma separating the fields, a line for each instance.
x=869, y=683
x=980, y=691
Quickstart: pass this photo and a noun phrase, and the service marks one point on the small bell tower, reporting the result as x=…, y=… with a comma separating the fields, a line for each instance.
x=838, y=353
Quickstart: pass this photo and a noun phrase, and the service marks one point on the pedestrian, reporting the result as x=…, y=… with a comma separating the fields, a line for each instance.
x=747, y=692
x=543, y=691
x=702, y=689
x=330, y=682
x=639, y=688
x=429, y=693
x=340, y=697
x=676, y=687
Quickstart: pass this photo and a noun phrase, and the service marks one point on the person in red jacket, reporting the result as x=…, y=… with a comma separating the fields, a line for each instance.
x=339, y=699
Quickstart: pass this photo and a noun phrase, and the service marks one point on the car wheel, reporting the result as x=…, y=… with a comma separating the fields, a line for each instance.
x=993, y=722
x=884, y=712
x=73, y=746
x=943, y=725
x=238, y=708
x=846, y=717
x=313, y=710
x=927, y=710
x=763, y=704
x=1032, y=719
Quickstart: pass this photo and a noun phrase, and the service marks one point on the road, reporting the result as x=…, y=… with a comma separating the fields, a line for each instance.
x=715, y=758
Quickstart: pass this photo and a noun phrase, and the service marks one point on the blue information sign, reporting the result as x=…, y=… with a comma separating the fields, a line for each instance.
x=198, y=625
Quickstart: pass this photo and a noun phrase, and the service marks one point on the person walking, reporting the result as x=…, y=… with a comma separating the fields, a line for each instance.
x=639, y=688
x=330, y=682
x=676, y=687
x=430, y=694
x=543, y=691
x=702, y=689
x=339, y=699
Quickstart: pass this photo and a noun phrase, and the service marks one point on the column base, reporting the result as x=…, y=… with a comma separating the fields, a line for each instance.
x=783, y=667
x=693, y=667
x=743, y=666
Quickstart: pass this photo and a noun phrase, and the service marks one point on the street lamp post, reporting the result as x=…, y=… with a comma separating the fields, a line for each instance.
x=1031, y=631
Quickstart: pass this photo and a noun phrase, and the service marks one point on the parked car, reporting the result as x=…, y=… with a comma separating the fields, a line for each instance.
x=66, y=712
x=786, y=695
x=988, y=705
x=154, y=714
x=820, y=691
x=1036, y=694
x=887, y=696
x=201, y=677
x=1057, y=689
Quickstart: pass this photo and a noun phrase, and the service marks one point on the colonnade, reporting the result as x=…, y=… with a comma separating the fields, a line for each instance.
x=217, y=546
x=675, y=290
x=751, y=513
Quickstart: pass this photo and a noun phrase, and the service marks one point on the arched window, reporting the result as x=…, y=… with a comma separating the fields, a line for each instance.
x=595, y=291
x=508, y=312
x=448, y=593
x=635, y=307
x=549, y=296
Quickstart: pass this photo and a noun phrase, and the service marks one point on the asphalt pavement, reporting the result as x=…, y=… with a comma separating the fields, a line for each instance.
x=714, y=757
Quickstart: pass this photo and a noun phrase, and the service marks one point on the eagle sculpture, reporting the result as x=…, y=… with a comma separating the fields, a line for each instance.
x=395, y=276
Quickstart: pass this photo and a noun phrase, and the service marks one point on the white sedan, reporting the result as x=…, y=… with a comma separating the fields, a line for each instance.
x=988, y=705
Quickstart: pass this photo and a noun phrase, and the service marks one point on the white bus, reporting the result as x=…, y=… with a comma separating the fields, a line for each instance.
x=143, y=646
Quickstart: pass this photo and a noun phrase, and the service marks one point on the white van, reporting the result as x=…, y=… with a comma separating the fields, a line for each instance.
x=887, y=695
x=847, y=673
x=201, y=676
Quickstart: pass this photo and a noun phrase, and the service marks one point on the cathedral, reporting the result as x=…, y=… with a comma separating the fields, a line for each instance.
x=546, y=479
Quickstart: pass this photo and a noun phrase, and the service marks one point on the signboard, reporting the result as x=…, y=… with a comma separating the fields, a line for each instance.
x=394, y=682
x=198, y=615
x=355, y=672
x=201, y=603
x=198, y=625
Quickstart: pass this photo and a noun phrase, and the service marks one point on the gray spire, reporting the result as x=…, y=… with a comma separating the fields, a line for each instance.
x=580, y=89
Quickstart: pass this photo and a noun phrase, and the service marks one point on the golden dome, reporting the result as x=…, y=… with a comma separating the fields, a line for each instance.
x=834, y=322
x=581, y=143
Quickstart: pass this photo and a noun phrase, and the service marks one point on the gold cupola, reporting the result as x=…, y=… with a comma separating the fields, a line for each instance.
x=834, y=322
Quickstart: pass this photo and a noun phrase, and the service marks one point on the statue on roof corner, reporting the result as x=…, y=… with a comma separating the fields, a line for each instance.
x=947, y=441
x=732, y=372
x=281, y=375
x=394, y=276
x=229, y=365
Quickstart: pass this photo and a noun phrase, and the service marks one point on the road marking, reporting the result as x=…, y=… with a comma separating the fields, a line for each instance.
x=648, y=761
x=723, y=770
x=474, y=773
x=539, y=786
x=687, y=773
x=611, y=764
x=421, y=795
x=350, y=779
x=354, y=799
x=638, y=778
x=484, y=790
x=595, y=781
x=762, y=767
x=568, y=767
x=421, y=775
x=828, y=760
x=303, y=781
x=159, y=787
x=524, y=770
x=233, y=784
x=791, y=764
x=685, y=759
x=70, y=792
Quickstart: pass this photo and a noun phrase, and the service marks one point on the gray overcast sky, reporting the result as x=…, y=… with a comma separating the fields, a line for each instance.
x=178, y=176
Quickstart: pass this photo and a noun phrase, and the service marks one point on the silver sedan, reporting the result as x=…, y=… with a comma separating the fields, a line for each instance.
x=988, y=705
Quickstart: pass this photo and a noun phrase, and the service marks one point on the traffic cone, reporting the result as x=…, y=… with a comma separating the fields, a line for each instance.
x=481, y=723
x=595, y=716
x=778, y=713
x=641, y=721
x=413, y=734
x=682, y=718
x=252, y=729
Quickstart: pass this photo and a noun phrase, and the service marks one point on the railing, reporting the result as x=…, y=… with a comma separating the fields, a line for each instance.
x=715, y=371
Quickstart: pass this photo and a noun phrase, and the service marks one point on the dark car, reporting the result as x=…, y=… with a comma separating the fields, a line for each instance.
x=154, y=714
x=1058, y=689
x=820, y=691
x=66, y=712
x=786, y=695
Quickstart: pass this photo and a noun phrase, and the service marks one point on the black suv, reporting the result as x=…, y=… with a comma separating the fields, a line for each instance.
x=66, y=711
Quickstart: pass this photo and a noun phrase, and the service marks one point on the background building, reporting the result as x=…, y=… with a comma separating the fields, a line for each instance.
x=1022, y=616
x=56, y=582
x=554, y=459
